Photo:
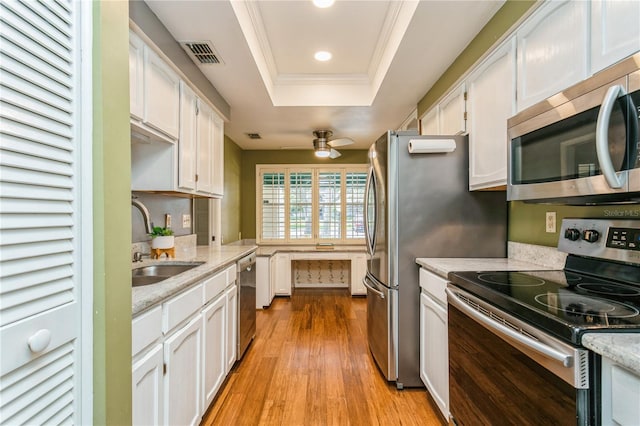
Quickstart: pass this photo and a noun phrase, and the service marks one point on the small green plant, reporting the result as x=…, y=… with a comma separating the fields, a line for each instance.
x=159, y=231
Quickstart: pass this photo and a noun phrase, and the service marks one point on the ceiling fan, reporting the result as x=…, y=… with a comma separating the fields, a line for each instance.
x=324, y=147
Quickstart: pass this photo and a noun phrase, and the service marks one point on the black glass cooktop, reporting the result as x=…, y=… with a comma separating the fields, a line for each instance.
x=563, y=303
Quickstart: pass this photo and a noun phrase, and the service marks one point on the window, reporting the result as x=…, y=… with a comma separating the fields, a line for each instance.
x=323, y=204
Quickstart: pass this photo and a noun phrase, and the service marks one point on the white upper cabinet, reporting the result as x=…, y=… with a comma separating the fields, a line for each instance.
x=187, y=145
x=429, y=122
x=615, y=31
x=154, y=93
x=552, y=51
x=490, y=102
x=136, y=76
x=217, y=153
x=201, y=146
x=161, y=95
x=166, y=109
x=411, y=122
x=452, y=112
x=205, y=158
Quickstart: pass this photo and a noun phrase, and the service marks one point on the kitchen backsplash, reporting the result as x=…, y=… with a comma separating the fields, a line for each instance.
x=159, y=206
x=185, y=246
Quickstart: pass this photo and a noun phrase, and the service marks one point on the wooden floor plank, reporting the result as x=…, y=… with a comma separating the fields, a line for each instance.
x=309, y=364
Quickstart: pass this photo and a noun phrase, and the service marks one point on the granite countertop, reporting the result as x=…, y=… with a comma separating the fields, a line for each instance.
x=442, y=266
x=214, y=258
x=622, y=348
x=268, y=251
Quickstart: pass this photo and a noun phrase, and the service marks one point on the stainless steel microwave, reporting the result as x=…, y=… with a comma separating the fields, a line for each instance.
x=580, y=146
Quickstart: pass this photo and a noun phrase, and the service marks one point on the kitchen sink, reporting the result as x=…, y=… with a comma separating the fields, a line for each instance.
x=155, y=273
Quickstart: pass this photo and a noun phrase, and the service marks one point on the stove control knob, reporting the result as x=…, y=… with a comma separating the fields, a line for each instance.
x=572, y=234
x=590, y=235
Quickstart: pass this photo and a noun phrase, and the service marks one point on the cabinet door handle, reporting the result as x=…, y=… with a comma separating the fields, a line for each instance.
x=39, y=341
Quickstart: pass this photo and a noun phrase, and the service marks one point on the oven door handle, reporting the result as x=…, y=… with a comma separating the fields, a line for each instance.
x=549, y=352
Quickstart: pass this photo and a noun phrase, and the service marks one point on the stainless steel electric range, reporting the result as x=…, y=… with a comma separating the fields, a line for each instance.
x=515, y=337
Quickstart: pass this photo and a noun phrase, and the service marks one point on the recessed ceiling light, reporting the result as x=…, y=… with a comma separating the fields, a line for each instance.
x=322, y=56
x=323, y=3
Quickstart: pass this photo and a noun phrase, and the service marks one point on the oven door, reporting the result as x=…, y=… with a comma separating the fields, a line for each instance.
x=509, y=372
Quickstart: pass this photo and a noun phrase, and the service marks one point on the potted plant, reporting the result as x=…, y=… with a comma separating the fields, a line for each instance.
x=161, y=238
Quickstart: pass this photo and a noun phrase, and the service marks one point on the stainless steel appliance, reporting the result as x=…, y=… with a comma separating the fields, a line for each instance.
x=580, y=146
x=418, y=205
x=246, y=302
x=515, y=347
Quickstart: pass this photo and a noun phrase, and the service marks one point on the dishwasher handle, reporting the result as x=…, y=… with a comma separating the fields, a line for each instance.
x=246, y=263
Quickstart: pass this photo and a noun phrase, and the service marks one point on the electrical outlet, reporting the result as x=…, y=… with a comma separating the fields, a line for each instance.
x=167, y=220
x=551, y=222
x=186, y=221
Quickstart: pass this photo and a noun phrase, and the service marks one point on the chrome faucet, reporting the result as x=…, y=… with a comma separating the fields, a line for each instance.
x=145, y=214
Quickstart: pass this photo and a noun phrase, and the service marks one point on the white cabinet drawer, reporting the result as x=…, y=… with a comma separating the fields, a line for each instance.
x=217, y=283
x=434, y=285
x=181, y=307
x=146, y=329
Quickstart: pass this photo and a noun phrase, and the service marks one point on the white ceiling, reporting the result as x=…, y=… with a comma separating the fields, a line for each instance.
x=386, y=56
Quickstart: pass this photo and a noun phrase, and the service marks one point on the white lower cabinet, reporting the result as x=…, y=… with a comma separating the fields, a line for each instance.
x=282, y=275
x=434, y=339
x=264, y=291
x=214, y=323
x=358, y=272
x=183, y=402
x=620, y=395
x=183, y=350
x=147, y=395
x=231, y=337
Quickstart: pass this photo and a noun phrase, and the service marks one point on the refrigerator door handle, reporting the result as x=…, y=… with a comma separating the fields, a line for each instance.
x=373, y=289
x=368, y=237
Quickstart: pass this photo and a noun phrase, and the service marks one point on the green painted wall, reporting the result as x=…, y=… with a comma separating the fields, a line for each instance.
x=248, y=178
x=112, y=215
x=232, y=189
x=527, y=221
x=502, y=21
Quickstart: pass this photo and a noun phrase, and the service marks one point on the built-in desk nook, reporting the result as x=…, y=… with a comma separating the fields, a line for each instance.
x=280, y=269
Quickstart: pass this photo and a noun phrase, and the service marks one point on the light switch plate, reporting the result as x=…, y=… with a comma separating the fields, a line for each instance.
x=186, y=221
x=551, y=222
x=167, y=220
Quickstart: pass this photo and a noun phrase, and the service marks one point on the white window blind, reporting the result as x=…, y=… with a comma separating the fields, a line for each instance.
x=300, y=205
x=354, y=200
x=329, y=205
x=273, y=205
x=322, y=204
x=39, y=212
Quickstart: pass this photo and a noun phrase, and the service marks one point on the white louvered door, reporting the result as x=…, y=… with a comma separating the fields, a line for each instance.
x=40, y=221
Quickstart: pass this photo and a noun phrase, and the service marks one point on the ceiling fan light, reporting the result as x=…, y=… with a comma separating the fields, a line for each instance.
x=323, y=153
x=323, y=3
x=322, y=150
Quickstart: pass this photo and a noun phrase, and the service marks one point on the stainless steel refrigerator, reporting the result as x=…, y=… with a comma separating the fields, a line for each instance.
x=418, y=205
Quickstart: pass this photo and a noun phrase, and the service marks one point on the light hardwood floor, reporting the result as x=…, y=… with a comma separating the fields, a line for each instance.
x=309, y=364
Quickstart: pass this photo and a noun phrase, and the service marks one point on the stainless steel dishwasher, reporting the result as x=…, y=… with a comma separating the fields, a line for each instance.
x=246, y=302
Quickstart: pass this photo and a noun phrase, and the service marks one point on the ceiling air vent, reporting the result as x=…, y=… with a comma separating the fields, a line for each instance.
x=254, y=135
x=201, y=52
